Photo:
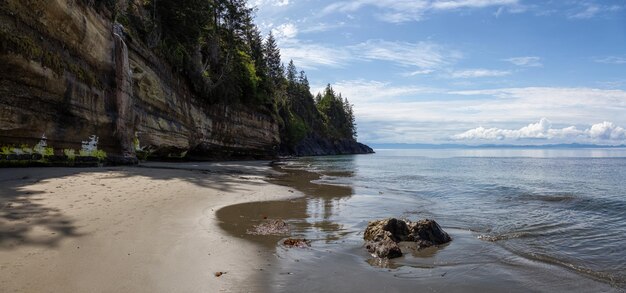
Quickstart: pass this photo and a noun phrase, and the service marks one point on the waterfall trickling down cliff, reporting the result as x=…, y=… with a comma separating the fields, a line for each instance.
x=124, y=129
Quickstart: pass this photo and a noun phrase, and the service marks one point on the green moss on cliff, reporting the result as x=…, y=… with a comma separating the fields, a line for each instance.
x=30, y=49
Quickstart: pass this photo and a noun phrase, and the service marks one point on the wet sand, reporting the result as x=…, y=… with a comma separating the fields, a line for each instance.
x=129, y=229
x=337, y=262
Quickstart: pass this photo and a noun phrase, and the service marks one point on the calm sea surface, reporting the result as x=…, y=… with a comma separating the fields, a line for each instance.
x=564, y=208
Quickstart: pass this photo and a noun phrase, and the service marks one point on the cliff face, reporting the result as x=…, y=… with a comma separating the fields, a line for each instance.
x=68, y=73
x=315, y=145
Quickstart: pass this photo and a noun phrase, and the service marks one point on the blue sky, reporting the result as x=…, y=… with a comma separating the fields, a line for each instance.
x=464, y=71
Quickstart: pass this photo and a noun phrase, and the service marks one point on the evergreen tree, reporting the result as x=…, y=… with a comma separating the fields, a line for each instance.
x=218, y=48
x=329, y=93
x=304, y=81
x=350, y=119
x=272, y=54
x=265, y=86
x=291, y=73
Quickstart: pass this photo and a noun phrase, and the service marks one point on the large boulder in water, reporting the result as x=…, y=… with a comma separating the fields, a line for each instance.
x=427, y=233
x=382, y=236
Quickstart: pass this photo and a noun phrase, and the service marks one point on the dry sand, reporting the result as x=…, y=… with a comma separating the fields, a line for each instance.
x=129, y=229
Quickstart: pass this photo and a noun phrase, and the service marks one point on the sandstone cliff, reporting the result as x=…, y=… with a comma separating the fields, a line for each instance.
x=314, y=145
x=74, y=81
x=67, y=73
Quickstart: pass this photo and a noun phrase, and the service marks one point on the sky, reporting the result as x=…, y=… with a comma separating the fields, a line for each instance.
x=464, y=71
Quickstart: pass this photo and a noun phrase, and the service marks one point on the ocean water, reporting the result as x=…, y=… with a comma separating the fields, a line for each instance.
x=521, y=221
x=564, y=208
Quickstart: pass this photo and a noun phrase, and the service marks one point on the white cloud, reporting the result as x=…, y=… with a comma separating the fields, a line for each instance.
x=589, y=12
x=311, y=56
x=257, y=3
x=556, y=97
x=322, y=27
x=393, y=5
x=396, y=11
x=611, y=60
x=499, y=12
x=613, y=83
x=527, y=61
x=363, y=91
x=543, y=130
x=389, y=113
x=475, y=73
x=285, y=31
x=425, y=55
x=418, y=72
x=456, y=4
x=607, y=130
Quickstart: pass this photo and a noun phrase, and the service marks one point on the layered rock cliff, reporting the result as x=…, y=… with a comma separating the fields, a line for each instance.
x=67, y=73
x=76, y=81
x=315, y=145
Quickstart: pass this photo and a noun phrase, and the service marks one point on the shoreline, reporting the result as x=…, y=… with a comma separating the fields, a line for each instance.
x=129, y=229
x=164, y=227
x=337, y=253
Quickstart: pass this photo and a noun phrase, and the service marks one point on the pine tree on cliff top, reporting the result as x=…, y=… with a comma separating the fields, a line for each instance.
x=272, y=55
x=291, y=72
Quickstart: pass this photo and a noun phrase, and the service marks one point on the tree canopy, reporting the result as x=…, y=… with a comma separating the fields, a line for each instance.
x=217, y=46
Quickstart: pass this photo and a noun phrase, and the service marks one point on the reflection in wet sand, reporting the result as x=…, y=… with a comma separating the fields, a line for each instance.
x=308, y=216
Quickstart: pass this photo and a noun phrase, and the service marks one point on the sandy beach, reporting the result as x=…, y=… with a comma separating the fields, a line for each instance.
x=170, y=227
x=129, y=229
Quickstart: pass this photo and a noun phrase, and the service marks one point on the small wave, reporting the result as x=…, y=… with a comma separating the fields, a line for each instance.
x=338, y=173
x=615, y=280
x=554, y=197
x=507, y=236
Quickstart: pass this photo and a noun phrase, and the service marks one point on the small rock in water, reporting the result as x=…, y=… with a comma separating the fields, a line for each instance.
x=270, y=227
x=382, y=236
x=384, y=247
x=296, y=242
x=396, y=230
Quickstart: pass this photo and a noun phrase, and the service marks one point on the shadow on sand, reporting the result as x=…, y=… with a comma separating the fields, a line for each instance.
x=26, y=221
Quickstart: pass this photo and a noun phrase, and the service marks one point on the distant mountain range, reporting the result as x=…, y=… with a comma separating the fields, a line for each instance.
x=488, y=146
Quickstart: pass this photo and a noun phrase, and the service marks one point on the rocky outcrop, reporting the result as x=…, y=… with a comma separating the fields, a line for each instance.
x=316, y=145
x=69, y=73
x=382, y=236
